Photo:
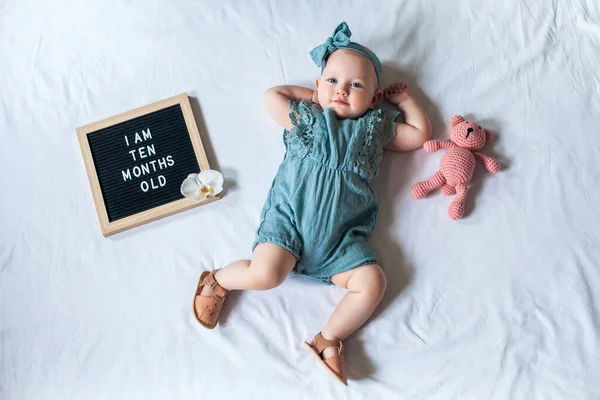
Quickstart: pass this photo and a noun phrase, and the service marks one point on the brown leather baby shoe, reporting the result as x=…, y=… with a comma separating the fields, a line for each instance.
x=336, y=364
x=208, y=310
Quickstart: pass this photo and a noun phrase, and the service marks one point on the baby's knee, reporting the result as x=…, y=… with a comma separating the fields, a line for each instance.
x=264, y=279
x=373, y=282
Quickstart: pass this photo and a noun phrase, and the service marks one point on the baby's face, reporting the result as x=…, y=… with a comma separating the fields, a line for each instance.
x=348, y=84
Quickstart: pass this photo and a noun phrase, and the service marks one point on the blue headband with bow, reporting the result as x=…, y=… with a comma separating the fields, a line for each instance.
x=341, y=40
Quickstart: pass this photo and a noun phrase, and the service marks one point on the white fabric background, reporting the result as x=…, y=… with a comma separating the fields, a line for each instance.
x=501, y=305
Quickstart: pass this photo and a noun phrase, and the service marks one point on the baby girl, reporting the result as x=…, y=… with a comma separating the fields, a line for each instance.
x=321, y=209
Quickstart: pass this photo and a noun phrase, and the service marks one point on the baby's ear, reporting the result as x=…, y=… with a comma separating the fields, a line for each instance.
x=376, y=97
x=457, y=119
x=488, y=136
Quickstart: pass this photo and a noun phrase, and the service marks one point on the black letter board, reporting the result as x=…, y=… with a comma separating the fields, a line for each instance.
x=136, y=163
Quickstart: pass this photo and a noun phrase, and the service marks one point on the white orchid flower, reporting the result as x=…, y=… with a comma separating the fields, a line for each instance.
x=198, y=187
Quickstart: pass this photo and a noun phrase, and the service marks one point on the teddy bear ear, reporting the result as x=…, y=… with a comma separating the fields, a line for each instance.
x=457, y=119
x=488, y=136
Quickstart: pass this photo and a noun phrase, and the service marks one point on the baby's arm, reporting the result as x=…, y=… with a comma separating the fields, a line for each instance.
x=277, y=102
x=416, y=128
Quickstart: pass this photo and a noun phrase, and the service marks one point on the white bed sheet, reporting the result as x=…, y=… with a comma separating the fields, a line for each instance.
x=501, y=305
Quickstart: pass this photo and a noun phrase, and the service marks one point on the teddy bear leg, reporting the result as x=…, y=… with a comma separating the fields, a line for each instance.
x=421, y=189
x=448, y=190
x=456, y=209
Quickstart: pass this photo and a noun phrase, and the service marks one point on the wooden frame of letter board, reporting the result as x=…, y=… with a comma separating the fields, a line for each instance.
x=120, y=225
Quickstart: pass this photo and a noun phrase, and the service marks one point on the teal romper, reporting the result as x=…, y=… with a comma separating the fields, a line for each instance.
x=321, y=207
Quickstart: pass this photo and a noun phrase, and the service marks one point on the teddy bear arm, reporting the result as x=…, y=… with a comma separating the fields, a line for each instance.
x=491, y=164
x=434, y=145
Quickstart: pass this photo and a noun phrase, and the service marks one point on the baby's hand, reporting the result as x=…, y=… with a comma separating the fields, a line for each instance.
x=397, y=92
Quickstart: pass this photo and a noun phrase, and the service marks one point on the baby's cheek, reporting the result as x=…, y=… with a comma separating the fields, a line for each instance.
x=322, y=96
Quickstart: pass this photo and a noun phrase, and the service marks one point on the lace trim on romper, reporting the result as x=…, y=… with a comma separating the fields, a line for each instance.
x=380, y=130
x=299, y=139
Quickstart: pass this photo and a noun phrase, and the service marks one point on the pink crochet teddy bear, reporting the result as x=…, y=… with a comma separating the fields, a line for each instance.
x=458, y=164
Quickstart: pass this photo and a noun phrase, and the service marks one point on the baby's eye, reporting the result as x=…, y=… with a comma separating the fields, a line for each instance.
x=332, y=80
x=356, y=85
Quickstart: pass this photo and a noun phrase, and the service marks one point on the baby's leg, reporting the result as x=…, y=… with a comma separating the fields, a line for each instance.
x=366, y=287
x=268, y=268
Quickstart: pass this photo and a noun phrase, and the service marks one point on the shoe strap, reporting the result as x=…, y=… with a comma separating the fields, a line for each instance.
x=321, y=344
x=212, y=283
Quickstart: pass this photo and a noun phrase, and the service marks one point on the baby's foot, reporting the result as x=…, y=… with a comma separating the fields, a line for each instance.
x=206, y=292
x=328, y=352
x=199, y=302
x=331, y=354
x=208, y=300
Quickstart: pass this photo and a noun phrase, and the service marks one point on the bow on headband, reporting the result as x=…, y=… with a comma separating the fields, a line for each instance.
x=340, y=39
